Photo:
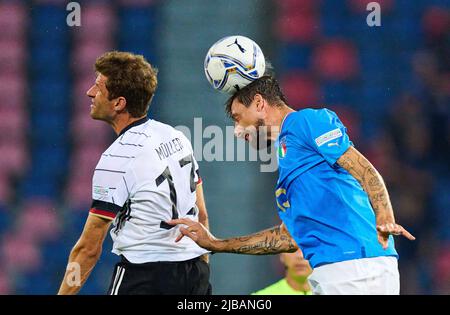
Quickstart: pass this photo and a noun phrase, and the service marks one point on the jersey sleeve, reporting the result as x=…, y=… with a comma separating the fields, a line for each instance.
x=110, y=191
x=324, y=132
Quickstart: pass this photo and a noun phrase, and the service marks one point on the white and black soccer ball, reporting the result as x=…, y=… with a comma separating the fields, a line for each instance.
x=233, y=62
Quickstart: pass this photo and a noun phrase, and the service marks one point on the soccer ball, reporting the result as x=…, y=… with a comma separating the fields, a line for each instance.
x=233, y=62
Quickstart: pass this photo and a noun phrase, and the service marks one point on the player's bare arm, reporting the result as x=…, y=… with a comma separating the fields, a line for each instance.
x=86, y=252
x=201, y=205
x=202, y=212
x=372, y=182
x=268, y=242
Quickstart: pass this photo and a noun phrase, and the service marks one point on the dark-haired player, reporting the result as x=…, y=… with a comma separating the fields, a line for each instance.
x=331, y=199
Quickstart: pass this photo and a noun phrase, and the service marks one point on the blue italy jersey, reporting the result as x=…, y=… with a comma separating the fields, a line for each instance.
x=324, y=208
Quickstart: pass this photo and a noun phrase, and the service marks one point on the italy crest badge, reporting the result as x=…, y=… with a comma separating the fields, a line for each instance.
x=282, y=148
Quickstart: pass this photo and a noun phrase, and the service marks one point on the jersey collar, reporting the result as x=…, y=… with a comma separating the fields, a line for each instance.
x=134, y=124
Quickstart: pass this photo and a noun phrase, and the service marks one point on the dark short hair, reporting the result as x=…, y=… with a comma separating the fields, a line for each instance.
x=267, y=86
x=130, y=76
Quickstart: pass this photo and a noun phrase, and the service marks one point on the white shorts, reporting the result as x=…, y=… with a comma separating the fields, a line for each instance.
x=366, y=276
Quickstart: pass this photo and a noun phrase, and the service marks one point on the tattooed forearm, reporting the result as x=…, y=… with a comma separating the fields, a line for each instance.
x=373, y=181
x=379, y=197
x=369, y=178
x=346, y=162
x=271, y=241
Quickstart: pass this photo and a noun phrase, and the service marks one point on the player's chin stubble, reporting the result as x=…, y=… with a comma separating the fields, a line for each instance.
x=95, y=114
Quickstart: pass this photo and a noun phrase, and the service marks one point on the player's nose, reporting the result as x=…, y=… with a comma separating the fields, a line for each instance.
x=90, y=92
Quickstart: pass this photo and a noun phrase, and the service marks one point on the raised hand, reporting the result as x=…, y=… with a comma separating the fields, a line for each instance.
x=386, y=229
x=195, y=231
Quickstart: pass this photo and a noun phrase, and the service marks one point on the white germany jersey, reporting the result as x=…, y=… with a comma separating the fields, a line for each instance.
x=145, y=178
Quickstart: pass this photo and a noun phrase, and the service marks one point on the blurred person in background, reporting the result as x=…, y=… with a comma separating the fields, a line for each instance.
x=145, y=177
x=295, y=282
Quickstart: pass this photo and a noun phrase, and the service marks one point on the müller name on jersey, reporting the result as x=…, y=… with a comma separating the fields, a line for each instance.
x=169, y=148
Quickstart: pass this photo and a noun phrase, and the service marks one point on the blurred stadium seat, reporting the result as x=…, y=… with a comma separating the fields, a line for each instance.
x=336, y=60
x=300, y=89
x=38, y=220
x=5, y=286
x=97, y=16
x=20, y=254
x=297, y=26
x=13, y=20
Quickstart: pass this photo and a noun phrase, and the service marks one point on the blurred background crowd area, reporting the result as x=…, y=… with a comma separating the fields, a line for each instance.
x=390, y=85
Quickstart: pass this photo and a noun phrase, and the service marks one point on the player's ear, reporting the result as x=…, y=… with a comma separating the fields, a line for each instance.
x=259, y=101
x=120, y=103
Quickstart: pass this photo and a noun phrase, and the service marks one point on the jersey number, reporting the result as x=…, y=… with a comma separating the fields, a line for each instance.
x=166, y=175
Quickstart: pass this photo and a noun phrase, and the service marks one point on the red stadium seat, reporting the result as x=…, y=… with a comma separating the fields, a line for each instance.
x=96, y=16
x=20, y=254
x=38, y=220
x=301, y=27
x=442, y=269
x=79, y=194
x=336, y=60
x=12, y=56
x=436, y=21
x=297, y=5
x=14, y=158
x=13, y=124
x=5, y=282
x=85, y=56
x=13, y=20
x=13, y=85
x=301, y=90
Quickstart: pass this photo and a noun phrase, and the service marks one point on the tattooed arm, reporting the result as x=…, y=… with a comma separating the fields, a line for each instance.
x=372, y=182
x=366, y=174
x=271, y=241
x=268, y=242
